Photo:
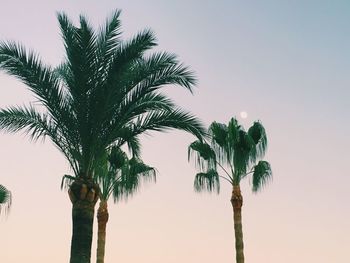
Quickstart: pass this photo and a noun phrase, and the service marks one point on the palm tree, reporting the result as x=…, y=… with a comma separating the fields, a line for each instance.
x=106, y=92
x=119, y=177
x=5, y=199
x=238, y=154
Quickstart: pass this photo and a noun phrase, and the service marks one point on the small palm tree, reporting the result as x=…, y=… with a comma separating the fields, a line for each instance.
x=106, y=92
x=238, y=154
x=5, y=199
x=117, y=176
x=120, y=178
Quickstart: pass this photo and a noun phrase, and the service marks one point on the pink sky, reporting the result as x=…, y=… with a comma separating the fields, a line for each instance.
x=284, y=63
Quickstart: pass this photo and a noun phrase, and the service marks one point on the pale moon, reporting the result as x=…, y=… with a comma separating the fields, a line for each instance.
x=243, y=114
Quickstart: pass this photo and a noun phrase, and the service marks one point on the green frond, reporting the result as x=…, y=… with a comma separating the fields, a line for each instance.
x=138, y=103
x=36, y=125
x=157, y=120
x=208, y=181
x=131, y=176
x=41, y=80
x=160, y=69
x=262, y=174
x=164, y=120
x=5, y=199
x=219, y=142
x=233, y=131
x=108, y=37
x=203, y=155
x=117, y=158
x=66, y=181
x=242, y=153
x=219, y=133
x=258, y=134
x=134, y=146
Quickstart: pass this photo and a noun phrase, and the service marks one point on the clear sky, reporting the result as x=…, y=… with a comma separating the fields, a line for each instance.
x=284, y=62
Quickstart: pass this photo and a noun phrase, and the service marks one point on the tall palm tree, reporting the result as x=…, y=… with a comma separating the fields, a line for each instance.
x=105, y=92
x=120, y=177
x=238, y=154
x=5, y=199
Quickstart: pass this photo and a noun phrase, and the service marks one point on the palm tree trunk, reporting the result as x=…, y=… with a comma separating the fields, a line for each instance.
x=102, y=219
x=83, y=195
x=237, y=202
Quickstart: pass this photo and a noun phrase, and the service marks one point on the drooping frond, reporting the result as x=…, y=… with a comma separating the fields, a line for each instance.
x=36, y=125
x=41, y=80
x=134, y=146
x=219, y=133
x=262, y=174
x=219, y=141
x=117, y=158
x=203, y=155
x=242, y=150
x=258, y=134
x=66, y=181
x=5, y=199
x=131, y=176
x=158, y=120
x=164, y=120
x=208, y=181
x=233, y=131
x=159, y=69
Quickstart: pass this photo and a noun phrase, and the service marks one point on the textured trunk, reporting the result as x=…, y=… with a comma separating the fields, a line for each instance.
x=102, y=219
x=83, y=195
x=237, y=202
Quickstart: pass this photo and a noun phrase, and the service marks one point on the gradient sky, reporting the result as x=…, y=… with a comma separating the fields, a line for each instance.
x=285, y=63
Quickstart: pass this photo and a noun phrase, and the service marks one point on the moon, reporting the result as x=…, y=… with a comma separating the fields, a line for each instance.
x=243, y=114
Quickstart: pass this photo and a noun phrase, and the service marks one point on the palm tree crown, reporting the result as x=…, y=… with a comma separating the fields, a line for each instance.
x=105, y=92
x=237, y=152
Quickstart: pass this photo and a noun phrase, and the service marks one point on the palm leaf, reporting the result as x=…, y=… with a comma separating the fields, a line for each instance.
x=258, y=134
x=219, y=141
x=261, y=176
x=5, y=199
x=208, y=181
x=203, y=155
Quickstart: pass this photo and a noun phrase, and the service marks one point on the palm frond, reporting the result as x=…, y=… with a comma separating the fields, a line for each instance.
x=175, y=119
x=258, y=134
x=125, y=56
x=117, y=158
x=66, y=181
x=27, y=67
x=219, y=141
x=131, y=176
x=203, y=155
x=208, y=181
x=36, y=125
x=5, y=199
x=242, y=151
x=262, y=174
x=108, y=38
x=160, y=69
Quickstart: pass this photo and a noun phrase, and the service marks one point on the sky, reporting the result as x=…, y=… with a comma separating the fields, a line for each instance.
x=285, y=63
